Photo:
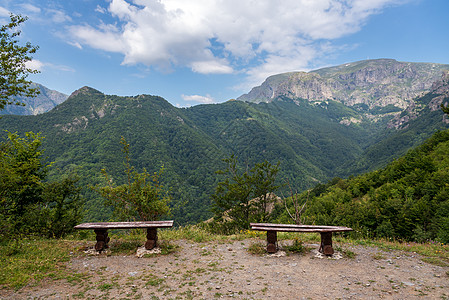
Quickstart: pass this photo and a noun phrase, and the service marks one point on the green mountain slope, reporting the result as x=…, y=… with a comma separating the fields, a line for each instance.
x=305, y=137
x=407, y=199
x=309, y=139
x=83, y=134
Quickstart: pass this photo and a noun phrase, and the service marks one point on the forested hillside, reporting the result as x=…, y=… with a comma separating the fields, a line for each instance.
x=309, y=140
x=407, y=199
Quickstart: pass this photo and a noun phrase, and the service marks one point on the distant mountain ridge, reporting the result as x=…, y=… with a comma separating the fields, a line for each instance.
x=313, y=140
x=45, y=101
x=309, y=139
x=367, y=83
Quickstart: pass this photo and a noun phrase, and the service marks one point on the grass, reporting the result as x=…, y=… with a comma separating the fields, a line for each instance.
x=257, y=248
x=197, y=234
x=168, y=248
x=296, y=247
x=121, y=246
x=436, y=261
x=378, y=256
x=346, y=252
x=154, y=281
x=105, y=286
x=433, y=252
x=29, y=261
x=191, y=233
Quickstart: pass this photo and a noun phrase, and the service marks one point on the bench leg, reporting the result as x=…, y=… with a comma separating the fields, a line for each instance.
x=151, y=238
x=272, y=241
x=102, y=239
x=326, y=243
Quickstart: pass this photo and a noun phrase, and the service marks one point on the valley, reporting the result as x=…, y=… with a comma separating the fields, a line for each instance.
x=314, y=134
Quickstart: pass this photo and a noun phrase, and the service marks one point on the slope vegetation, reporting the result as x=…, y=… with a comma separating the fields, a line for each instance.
x=407, y=199
x=309, y=139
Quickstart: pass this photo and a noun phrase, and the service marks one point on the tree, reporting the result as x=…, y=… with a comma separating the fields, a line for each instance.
x=29, y=204
x=263, y=181
x=445, y=108
x=13, y=59
x=21, y=175
x=62, y=206
x=298, y=203
x=243, y=197
x=142, y=198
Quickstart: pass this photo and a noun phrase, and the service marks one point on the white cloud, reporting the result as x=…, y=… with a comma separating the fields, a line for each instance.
x=200, y=99
x=34, y=64
x=275, y=64
x=100, y=9
x=58, y=16
x=105, y=39
x=211, y=67
x=213, y=36
x=63, y=68
x=39, y=66
x=43, y=13
x=76, y=44
x=4, y=12
x=30, y=8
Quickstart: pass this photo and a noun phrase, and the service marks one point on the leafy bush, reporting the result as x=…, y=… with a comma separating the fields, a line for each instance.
x=29, y=205
x=244, y=196
x=142, y=198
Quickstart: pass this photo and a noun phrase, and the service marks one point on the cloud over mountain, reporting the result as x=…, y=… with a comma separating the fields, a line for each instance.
x=259, y=38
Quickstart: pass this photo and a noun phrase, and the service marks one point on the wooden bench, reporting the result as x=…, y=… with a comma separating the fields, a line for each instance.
x=101, y=231
x=325, y=231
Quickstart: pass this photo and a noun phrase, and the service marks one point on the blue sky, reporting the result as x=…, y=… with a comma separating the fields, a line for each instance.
x=210, y=51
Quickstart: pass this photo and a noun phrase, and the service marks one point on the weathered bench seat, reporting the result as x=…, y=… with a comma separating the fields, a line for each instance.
x=101, y=231
x=325, y=231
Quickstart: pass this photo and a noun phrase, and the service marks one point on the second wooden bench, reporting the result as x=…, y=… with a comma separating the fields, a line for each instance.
x=325, y=231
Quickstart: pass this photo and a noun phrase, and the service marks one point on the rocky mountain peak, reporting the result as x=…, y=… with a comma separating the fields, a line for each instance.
x=374, y=83
x=84, y=90
x=43, y=102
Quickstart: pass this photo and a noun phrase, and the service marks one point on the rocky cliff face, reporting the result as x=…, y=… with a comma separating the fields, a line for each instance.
x=374, y=83
x=441, y=89
x=438, y=94
x=45, y=101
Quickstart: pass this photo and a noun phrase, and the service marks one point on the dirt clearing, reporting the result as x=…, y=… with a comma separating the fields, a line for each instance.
x=227, y=270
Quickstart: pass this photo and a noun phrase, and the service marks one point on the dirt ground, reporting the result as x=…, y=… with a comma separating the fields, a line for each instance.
x=227, y=270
